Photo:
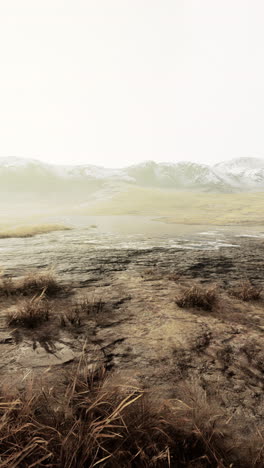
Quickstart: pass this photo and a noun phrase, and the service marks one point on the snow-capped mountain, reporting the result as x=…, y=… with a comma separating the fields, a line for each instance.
x=241, y=174
x=236, y=175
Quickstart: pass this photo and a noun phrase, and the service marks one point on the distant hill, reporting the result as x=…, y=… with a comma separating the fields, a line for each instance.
x=25, y=176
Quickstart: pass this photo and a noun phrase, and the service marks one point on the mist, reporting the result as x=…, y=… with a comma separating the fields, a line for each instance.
x=131, y=233
x=114, y=84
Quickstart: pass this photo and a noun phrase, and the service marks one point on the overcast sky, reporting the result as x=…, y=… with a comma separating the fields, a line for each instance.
x=115, y=82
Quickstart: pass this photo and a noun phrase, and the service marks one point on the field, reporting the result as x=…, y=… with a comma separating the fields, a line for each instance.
x=167, y=206
x=30, y=230
x=182, y=207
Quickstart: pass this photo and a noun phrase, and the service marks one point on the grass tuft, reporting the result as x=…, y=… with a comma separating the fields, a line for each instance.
x=96, y=424
x=199, y=297
x=31, y=284
x=46, y=281
x=246, y=291
x=72, y=317
x=30, y=313
x=79, y=310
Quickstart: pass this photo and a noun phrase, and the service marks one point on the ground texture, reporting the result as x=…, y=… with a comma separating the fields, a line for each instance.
x=130, y=323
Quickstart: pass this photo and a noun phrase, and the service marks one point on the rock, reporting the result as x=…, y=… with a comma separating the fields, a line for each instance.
x=6, y=338
x=39, y=357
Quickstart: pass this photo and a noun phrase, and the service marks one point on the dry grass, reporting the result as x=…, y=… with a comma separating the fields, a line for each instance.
x=72, y=317
x=30, y=231
x=246, y=291
x=31, y=284
x=192, y=208
x=197, y=296
x=94, y=424
x=7, y=286
x=30, y=313
x=174, y=277
x=46, y=281
x=225, y=442
x=80, y=310
x=88, y=307
x=149, y=272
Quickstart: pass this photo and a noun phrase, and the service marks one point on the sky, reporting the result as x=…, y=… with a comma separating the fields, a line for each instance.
x=117, y=82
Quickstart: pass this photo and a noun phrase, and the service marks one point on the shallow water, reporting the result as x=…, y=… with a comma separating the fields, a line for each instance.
x=93, y=236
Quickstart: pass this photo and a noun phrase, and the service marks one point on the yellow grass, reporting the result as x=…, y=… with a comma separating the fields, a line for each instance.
x=31, y=230
x=184, y=207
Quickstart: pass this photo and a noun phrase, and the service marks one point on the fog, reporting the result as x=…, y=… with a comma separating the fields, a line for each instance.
x=129, y=109
x=115, y=83
x=131, y=233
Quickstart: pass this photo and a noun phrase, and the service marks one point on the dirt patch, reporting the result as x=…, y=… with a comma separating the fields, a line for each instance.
x=129, y=322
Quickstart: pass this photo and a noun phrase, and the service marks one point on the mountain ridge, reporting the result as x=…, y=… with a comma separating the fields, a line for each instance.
x=235, y=175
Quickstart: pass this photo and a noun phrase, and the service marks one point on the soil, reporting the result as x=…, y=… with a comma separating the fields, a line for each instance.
x=135, y=329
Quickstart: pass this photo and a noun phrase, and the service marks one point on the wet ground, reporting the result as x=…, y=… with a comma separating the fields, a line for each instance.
x=140, y=333
x=88, y=251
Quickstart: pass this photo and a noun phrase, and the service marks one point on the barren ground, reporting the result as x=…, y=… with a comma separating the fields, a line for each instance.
x=136, y=330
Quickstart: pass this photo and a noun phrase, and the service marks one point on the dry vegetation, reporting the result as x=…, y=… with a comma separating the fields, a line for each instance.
x=79, y=310
x=96, y=424
x=246, y=291
x=192, y=208
x=35, y=307
x=30, y=313
x=198, y=296
x=31, y=231
x=174, y=276
x=92, y=422
x=31, y=284
x=87, y=306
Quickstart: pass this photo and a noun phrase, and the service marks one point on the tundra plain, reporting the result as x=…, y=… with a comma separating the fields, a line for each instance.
x=170, y=331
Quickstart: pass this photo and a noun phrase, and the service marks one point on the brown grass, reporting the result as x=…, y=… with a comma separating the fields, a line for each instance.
x=197, y=296
x=96, y=424
x=149, y=272
x=30, y=313
x=31, y=284
x=72, y=317
x=174, y=277
x=86, y=306
x=79, y=310
x=246, y=291
x=93, y=307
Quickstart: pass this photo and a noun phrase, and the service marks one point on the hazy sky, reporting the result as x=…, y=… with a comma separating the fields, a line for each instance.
x=115, y=82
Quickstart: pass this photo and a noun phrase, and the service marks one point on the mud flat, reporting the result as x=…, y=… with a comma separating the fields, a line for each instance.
x=120, y=309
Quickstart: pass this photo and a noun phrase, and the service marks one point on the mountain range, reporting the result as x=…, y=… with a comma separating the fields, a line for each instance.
x=29, y=175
